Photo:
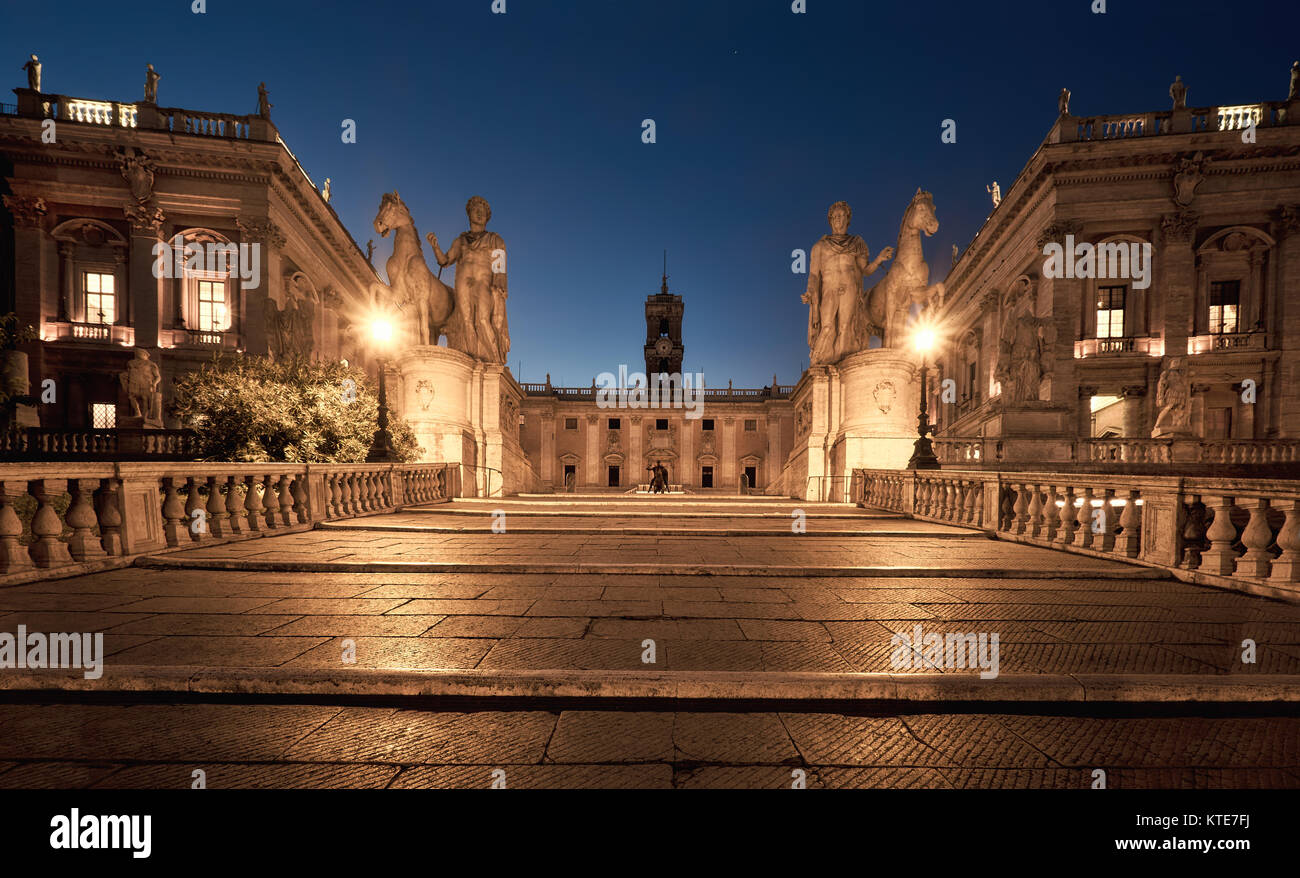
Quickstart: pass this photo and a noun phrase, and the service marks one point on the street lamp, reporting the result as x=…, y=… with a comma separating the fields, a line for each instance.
x=923, y=449
x=381, y=448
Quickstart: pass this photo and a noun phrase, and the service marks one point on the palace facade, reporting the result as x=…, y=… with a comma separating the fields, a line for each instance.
x=91, y=187
x=1189, y=358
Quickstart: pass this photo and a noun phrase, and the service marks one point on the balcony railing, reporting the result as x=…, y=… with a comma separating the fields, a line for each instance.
x=1148, y=454
x=1226, y=341
x=41, y=443
x=718, y=394
x=199, y=338
x=106, y=333
x=1101, y=347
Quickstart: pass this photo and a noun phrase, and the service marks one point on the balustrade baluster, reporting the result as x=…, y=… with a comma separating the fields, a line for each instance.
x=110, y=516
x=13, y=555
x=82, y=544
x=1020, y=519
x=175, y=527
x=253, y=503
x=1051, y=515
x=286, y=517
x=1069, y=521
x=1084, y=533
x=236, y=517
x=1193, y=533
x=1129, y=540
x=199, y=526
x=301, y=505
x=1257, y=537
x=1109, y=522
x=218, y=519
x=1287, y=567
x=270, y=502
x=1035, y=510
x=1220, y=557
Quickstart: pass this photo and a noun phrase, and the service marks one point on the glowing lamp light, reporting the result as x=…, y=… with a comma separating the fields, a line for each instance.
x=924, y=339
x=381, y=331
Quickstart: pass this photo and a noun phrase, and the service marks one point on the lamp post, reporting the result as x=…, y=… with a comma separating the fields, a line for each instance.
x=381, y=447
x=923, y=449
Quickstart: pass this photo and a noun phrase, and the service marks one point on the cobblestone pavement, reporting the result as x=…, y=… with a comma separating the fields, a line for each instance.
x=74, y=746
x=1094, y=616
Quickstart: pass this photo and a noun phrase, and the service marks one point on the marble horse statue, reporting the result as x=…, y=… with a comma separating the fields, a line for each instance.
x=889, y=302
x=412, y=281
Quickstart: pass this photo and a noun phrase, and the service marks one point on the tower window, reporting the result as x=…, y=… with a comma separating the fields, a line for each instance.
x=570, y=423
x=615, y=424
x=661, y=423
x=707, y=424
x=751, y=426
x=663, y=325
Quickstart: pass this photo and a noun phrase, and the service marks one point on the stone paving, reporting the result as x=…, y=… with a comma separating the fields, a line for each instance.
x=1088, y=616
x=73, y=746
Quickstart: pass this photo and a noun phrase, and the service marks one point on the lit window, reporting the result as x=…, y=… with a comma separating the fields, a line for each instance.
x=212, y=306
x=103, y=415
x=1110, y=312
x=100, y=296
x=1225, y=300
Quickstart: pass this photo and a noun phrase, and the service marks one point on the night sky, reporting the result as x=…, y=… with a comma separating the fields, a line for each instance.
x=763, y=119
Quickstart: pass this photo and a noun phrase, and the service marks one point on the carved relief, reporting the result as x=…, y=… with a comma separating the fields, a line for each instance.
x=424, y=394
x=884, y=394
x=27, y=212
x=291, y=318
x=1179, y=226
x=1189, y=175
x=803, y=419
x=1024, y=346
x=1172, y=398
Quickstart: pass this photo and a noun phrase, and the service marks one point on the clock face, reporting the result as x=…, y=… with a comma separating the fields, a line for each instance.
x=663, y=346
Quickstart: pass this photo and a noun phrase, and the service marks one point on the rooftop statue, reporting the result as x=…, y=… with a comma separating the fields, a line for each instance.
x=33, y=68
x=1063, y=102
x=151, y=78
x=1178, y=91
x=264, y=104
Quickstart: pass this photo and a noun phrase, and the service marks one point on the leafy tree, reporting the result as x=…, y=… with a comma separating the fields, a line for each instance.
x=247, y=408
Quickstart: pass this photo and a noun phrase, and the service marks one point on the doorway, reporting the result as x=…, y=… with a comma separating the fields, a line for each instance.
x=706, y=477
x=613, y=477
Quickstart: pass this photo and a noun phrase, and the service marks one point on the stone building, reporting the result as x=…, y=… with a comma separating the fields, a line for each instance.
x=91, y=187
x=582, y=438
x=1135, y=296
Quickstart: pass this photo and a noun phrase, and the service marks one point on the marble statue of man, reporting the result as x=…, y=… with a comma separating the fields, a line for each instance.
x=1293, y=93
x=140, y=381
x=1172, y=393
x=1063, y=102
x=1178, y=91
x=33, y=68
x=480, y=258
x=837, y=265
x=996, y=192
x=325, y=190
x=264, y=104
x=151, y=78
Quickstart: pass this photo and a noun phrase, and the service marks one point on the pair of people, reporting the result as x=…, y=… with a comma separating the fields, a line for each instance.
x=658, y=478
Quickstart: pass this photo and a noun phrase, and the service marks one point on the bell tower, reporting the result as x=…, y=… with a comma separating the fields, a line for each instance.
x=663, y=330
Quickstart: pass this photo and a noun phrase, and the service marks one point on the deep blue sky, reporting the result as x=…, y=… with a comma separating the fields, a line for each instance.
x=764, y=118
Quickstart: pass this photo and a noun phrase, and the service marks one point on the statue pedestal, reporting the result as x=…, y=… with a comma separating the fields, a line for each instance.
x=859, y=414
x=466, y=412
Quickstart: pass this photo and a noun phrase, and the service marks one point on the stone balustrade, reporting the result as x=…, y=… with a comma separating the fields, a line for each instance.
x=1152, y=454
x=1242, y=534
x=118, y=510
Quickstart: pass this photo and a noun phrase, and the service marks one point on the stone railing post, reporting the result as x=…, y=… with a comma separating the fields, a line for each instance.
x=198, y=525
x=1086, y=519
x=1256, y=537
x=1069, y=519
x=1220, y=557
x=13, y=556
x=270, y=502
x=110, y=516
x=252, y=503
x=1287, y=567
x=218, y=516
x=236, y=517
x=1129, y=540
x=286, y=517
x=82, y=544
x=175, y=527
x=47, y=550
x=301, y=498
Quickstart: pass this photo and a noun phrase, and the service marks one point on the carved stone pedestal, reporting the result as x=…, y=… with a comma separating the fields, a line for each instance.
x=860, y=414
x=466, y=412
